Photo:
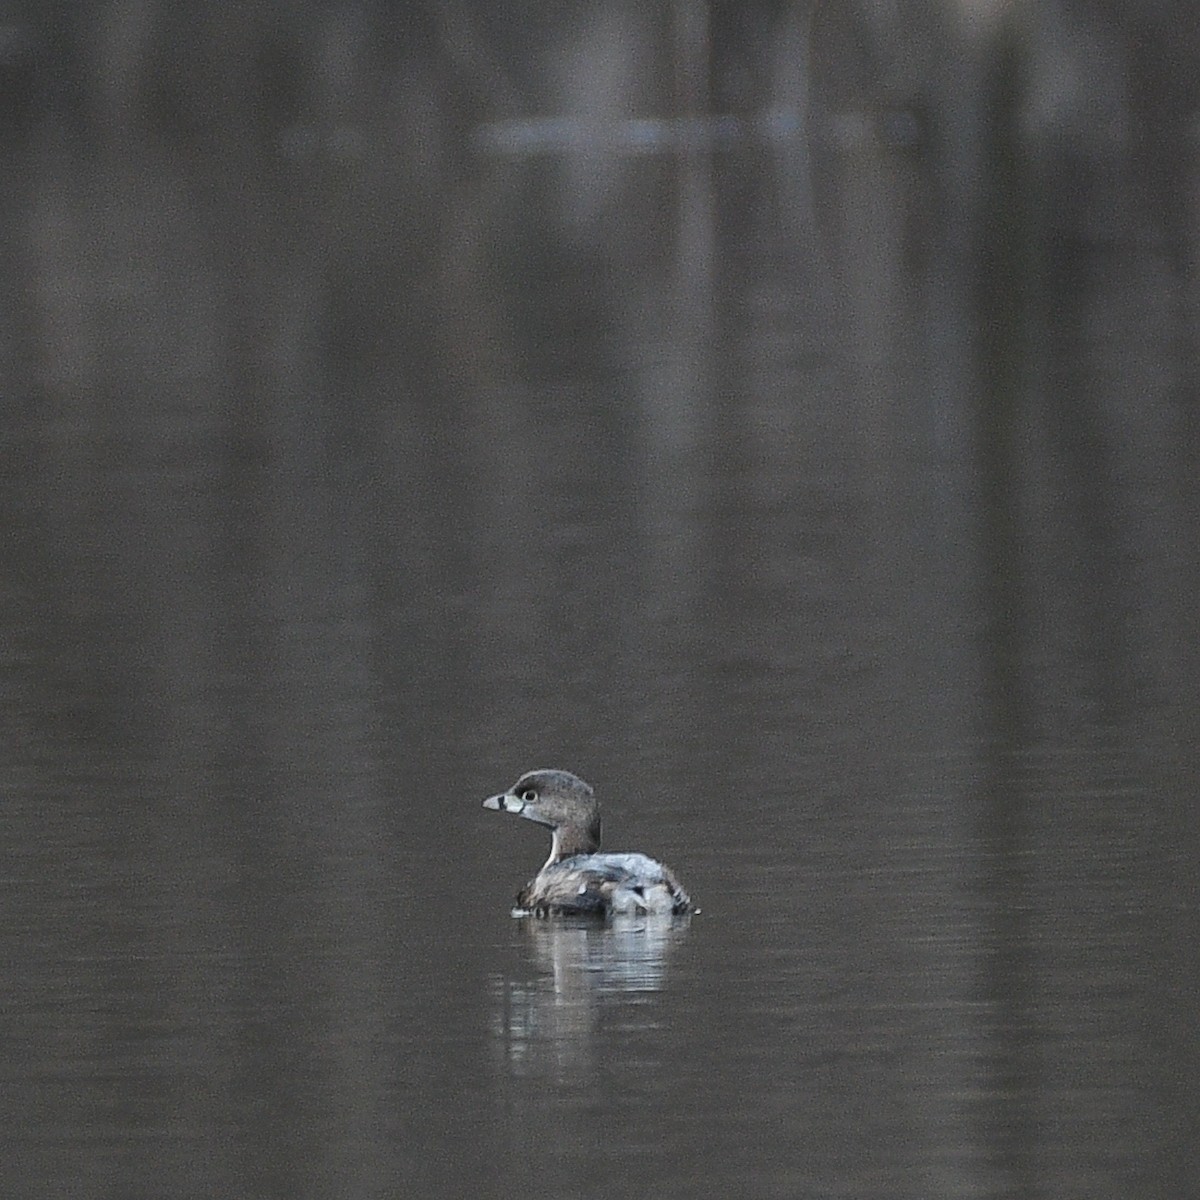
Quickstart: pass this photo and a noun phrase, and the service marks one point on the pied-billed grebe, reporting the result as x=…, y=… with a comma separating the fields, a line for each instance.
x=576, y=879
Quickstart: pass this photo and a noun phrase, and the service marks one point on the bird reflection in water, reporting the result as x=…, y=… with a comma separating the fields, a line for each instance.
x=546, y=1014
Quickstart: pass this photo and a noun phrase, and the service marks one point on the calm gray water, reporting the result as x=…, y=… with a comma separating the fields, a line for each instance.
x=821, y=487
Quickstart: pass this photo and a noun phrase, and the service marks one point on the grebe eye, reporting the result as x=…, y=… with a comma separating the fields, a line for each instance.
x=528, y=794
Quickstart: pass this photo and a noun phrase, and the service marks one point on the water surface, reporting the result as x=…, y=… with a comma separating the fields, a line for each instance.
x=832, y=513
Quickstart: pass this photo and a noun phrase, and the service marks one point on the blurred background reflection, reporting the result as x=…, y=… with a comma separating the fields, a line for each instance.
x=784, y=415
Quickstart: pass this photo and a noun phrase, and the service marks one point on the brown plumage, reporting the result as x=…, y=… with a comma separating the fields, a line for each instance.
x=576, y=878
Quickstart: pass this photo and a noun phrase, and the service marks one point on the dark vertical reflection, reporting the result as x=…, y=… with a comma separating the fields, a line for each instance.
x=1006, y=289
x=1066, y=551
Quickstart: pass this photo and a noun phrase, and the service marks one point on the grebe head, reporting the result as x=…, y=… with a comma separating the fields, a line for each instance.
x=559, y=800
